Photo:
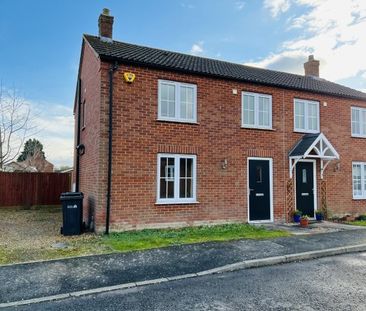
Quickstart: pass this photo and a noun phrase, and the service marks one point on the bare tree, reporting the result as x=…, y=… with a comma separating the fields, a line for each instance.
x=15, y=124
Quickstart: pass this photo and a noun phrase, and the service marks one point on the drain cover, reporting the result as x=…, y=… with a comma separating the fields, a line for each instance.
x=60, y=245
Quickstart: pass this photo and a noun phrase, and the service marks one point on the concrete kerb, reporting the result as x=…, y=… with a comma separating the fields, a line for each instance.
x=254, y=263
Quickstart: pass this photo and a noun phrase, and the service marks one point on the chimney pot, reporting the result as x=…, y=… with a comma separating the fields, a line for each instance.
x=106, y=11
x=312, y=67
x=105, y=24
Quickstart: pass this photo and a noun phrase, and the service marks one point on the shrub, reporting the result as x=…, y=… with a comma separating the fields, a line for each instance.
x=361, y=217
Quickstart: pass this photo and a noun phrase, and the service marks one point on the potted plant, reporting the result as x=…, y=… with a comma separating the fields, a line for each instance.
x=297, y=215
x=319, y=215
x=304, y=221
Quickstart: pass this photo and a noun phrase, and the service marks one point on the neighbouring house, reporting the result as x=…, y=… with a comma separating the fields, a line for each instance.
x=16, y=167
x=165, y=139
x=33, y=164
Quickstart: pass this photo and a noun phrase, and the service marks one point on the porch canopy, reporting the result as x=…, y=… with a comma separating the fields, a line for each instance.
x=313, y=146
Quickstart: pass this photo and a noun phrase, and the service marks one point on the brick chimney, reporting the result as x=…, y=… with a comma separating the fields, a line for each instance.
x=312, y=67
x=105, y=24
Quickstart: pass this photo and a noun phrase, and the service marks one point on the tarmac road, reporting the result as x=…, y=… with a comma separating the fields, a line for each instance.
x=332, y=283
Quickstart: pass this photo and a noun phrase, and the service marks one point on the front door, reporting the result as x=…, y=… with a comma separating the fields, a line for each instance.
x=305, y=188
x=259, y=190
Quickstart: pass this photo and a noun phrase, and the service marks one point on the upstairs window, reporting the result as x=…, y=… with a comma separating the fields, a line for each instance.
x=177, y=101
x=306, y=116
x=359, y=180
x=176, y=178
x=82, y=116
x=256, y=110
x=358, y=121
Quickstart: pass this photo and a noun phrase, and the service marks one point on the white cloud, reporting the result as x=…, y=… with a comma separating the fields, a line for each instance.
x=277, y=6
x=187, y=6
x=240, y=5
x=333, y=31
x=197, y=48
x=52, y=124
x=55, y=124
x=289, y=61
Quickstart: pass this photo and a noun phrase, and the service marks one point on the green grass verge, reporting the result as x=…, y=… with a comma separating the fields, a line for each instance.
x=147, y=239
x=357, y=223
x=91, y=244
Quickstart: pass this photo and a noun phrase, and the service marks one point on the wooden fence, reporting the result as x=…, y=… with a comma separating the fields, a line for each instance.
x=27, y=189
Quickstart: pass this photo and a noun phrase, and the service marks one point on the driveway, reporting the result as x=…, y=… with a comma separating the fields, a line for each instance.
x=33, y=234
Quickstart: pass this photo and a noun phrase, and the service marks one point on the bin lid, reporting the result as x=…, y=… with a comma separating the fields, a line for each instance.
x=71, y=195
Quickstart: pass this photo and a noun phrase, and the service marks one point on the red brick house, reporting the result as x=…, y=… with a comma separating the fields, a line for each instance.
x=168, y=139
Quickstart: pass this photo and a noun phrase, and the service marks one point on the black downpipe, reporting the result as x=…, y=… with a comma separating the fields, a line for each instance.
x=77, y=177
x=112, y=69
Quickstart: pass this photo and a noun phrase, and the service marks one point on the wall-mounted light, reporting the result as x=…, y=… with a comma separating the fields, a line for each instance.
x=80, y=149
x=224, y=164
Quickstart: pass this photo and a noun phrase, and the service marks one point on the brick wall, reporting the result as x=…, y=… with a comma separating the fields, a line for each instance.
x=90, y=136
x=222, y=194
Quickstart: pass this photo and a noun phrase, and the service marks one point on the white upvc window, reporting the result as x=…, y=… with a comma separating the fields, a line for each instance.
x=306, y=116
x=256, y=110
x=359, y=180
x=176, y=178
x=358, y=121
x=177, y=101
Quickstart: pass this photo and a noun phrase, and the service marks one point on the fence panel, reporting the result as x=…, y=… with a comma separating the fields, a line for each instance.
x=27, y=189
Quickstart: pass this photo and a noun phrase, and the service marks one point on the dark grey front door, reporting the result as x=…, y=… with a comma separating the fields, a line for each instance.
x=259, y=190
x=305, y=188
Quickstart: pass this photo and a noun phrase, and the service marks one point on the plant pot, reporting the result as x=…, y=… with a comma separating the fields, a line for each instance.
x=297, y=218
x=304, y=223
x=349, y=218
x=319, y=217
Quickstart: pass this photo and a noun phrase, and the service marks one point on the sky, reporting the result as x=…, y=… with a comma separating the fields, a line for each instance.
x=40, y=43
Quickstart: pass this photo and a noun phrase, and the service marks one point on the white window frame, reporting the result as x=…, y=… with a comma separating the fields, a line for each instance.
x=361, y=110
x=306, y=129
x=256, y=111
x=177, y=199
x=177, y=86
x=363, y=177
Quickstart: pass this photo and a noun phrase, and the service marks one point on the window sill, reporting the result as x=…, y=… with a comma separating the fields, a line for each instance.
x=258, y=128
x=176, y=203
x=178, y=121
x=358, y=136
x=358, y=199
x=306, y=132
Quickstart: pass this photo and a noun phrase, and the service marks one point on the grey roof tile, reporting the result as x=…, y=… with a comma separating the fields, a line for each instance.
x=151, y=57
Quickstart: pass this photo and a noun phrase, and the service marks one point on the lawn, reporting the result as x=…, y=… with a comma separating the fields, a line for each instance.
x=146, y=239
x=357, y=223
x=34, y=234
